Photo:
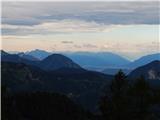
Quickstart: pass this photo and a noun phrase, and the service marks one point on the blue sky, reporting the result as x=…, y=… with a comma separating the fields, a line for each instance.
x=127, y=28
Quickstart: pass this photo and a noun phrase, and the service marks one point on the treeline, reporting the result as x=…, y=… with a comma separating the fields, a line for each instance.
x=40, y=106
x=123, y=100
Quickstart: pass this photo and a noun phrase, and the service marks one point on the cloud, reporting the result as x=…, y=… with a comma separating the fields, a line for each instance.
x=57, y=26
x=89, y=46
x=23, y=18
x=33, y=13
x=67, y=42
x=132, y=47
x=77, y=46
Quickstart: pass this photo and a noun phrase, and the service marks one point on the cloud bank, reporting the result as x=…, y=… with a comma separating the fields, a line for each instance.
x=23, y=18
x=57, y=26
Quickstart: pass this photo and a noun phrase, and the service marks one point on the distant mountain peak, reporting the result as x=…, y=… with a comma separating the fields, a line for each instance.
x=57, y=61
x=57, y=55
x=38, y=50
x=3, y=52
x=28, y=57
x=37, y=53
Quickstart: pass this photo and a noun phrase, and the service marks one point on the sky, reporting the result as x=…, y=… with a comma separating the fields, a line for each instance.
x=130, y=29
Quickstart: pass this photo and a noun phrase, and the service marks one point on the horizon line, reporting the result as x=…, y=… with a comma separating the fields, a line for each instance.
x=61, y=52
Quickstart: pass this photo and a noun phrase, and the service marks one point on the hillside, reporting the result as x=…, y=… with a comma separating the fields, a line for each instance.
x=84, y=87
x=149, y=71
x=37, y=105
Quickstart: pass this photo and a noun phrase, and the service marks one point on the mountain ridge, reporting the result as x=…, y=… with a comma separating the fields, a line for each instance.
x=149, y=71
x=40, y=54
x=52, y=62
x=144, y=60
x=57, y=61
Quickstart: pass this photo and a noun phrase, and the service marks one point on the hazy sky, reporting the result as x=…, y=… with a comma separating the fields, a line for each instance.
x=127, y=28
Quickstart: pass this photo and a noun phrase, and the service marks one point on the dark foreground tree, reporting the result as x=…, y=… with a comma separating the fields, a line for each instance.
x=140, y=100
x=114, y=104
x=128, y=101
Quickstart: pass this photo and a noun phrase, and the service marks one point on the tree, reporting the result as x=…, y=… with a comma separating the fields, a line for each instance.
x=126, y=100
x=140, y=97
x=114, y=104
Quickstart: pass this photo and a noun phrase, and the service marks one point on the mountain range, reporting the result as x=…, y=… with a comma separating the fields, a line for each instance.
x=87, y=60
x=144, y=60
x=105, y=62
x=15, y=58
x=55, y=73
x=58, y=73
x=99, y=60
x=52, y=62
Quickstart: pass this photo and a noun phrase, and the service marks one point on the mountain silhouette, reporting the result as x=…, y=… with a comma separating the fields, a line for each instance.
x=88, y=60
x=149, y=71
x=15, y=58
x=3, y=52
x=144, y=60
x=52, y=62
x=57, y=61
